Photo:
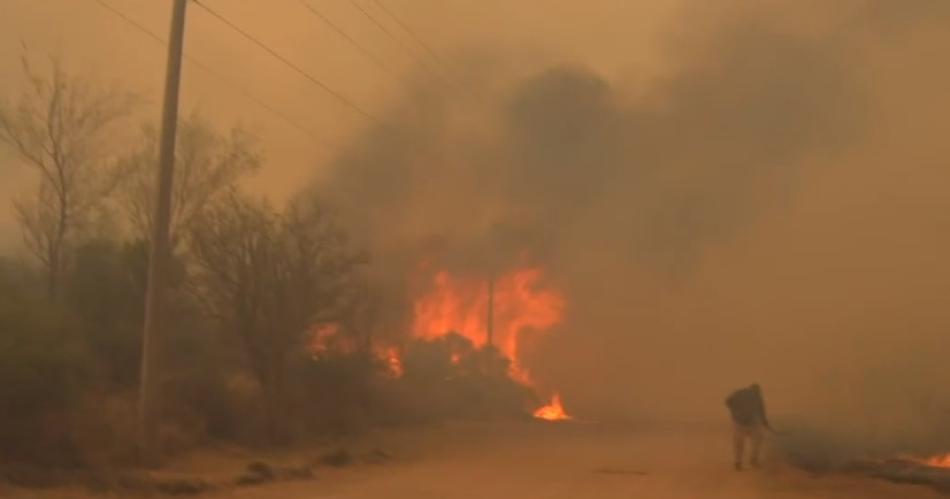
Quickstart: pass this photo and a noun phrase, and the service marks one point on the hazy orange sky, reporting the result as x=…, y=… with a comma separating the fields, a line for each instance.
x=615, y=36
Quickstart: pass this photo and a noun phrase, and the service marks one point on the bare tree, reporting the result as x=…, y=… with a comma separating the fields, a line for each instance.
x=270, y=277
x=60, y=126
x=360, y=313
x=207, y=163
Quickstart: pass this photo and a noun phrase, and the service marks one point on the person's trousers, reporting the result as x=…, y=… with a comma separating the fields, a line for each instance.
x=752, y=433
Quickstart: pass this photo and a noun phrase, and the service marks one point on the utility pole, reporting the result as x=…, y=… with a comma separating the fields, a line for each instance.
x=159, y=254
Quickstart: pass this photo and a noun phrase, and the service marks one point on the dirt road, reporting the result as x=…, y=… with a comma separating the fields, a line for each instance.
x=568, y=461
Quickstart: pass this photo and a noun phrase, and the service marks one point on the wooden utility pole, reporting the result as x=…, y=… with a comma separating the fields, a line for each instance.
x=159, y=254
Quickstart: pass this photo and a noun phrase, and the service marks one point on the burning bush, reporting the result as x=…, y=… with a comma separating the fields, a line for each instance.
x=502, y=313
x=821, y=448
x=449, y=377
x=482, y=328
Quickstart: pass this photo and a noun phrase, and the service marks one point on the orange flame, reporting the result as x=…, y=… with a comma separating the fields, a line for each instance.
x=942, y=461
x=393, y=362
x=554, y=411
x=321, y=336
x=326, y=337
x=520, y=309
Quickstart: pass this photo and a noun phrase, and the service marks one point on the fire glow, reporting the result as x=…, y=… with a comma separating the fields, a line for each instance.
x=321, y=337
x=942, y=461
x=325, y=338
x=519, y=310
x=554, y=411
x=393, y=362
x=506, y=314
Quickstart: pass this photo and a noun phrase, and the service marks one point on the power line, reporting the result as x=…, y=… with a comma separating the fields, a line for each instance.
x=131, y=21
x=406, y=28
x=432, y=54
x=338, y=96
x=369, y=55
x=151, y=34
x=390, y=34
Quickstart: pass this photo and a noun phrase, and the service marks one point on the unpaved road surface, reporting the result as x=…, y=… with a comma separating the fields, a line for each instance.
x=567, y=461
x=573, y=461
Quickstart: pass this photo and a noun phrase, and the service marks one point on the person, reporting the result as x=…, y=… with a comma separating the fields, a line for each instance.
x=747, y=409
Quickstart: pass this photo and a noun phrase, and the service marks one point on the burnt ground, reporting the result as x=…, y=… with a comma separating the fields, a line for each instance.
x=525, y=460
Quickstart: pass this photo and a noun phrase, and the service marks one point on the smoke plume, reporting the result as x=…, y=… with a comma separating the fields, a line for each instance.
x=731, y=219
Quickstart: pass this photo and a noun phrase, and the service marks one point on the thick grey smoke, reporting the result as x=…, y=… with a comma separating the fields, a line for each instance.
x=564, y=167
x=718, y=224
x=661, y=176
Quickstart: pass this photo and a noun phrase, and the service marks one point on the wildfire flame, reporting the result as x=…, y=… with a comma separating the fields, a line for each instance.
x=520, y=309
x=512, y=310
x=393, y=362
x=942, y=461
x=554, y=411
x=326, y=337
x=321, y=337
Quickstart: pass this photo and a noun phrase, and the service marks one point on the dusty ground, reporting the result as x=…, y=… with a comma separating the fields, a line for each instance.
x=559, y=461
